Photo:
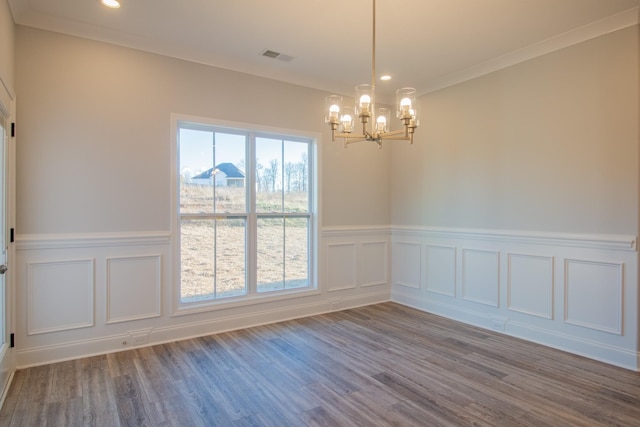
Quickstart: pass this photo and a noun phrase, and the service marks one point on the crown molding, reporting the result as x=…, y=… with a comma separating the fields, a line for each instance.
x=590, y=31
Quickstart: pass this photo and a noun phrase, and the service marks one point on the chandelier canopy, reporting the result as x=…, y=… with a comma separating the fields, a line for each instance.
x=341, y=118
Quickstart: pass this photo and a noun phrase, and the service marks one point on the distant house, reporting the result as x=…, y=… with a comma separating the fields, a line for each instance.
x=225, y=175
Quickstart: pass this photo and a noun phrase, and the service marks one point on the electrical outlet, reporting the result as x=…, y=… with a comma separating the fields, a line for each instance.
x=497, y=324
x=141, y=337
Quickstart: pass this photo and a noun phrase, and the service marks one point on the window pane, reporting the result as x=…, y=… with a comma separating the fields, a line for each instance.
x=296, y=176
x=196, y=156
x=212, y=258
x=229, y=174
x=270, y=254
x=296, y=252
x=212, y=176
x=268, y=175
x=283, y=250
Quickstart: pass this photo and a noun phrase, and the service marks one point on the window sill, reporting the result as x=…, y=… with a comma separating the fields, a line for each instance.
x=185, y=309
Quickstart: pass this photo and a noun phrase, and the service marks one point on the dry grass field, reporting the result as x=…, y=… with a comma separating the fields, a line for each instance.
x=213, y=250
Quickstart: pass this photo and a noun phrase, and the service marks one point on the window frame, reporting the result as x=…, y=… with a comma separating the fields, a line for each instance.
x=252, y=296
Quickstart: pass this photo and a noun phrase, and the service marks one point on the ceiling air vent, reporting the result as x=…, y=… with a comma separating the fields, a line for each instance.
x=277, y=55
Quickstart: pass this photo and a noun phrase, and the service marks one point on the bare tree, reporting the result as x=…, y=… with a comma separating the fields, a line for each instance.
x=303, y=171
x=290, y=176
x=274, y=174
x=259, y=175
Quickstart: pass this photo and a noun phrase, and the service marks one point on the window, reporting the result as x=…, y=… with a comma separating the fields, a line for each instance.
x=245, y=213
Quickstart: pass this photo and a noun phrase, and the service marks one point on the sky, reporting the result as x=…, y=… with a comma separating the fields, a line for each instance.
x=196, y=150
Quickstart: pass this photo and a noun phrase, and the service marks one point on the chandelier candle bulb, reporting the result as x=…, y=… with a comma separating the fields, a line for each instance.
x=365, y=101
x=383, y=121
x=347, y=122
x=405, y=106
x=333, y=104
x=405, y=101
x=333, y=111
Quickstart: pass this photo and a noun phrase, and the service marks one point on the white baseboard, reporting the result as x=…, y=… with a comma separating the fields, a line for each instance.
x=5, y=390
x=114, y=343
x=591, y=349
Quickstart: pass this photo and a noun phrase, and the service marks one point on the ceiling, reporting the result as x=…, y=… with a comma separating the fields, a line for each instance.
x=427, y=44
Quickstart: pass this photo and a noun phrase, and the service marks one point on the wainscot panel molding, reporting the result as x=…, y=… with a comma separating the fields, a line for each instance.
x=575, y=292
x=407, y=265
x=342, y=262
x=59, y=295
x=530, y=284
x=374, y=268
x=80, y=295
x=481, y=276
x=441, y=271
x=593, y=294
x=357, y=258
x=134, y=288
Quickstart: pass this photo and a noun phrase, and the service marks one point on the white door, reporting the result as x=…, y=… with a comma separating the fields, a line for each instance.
x=6, y=360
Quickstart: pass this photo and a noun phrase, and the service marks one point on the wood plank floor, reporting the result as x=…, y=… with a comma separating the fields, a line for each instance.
x=373, y=366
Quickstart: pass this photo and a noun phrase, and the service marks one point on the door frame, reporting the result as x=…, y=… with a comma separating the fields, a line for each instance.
x=8, y=111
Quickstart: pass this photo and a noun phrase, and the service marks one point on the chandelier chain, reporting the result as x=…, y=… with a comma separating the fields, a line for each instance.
x=373, y=54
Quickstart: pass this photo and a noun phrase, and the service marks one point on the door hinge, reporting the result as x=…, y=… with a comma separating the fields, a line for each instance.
x=11, y=235
x=13, y=130
x=12, y=340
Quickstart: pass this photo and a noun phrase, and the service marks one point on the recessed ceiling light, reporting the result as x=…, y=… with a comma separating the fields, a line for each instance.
x=113, y=4
x=385, y=77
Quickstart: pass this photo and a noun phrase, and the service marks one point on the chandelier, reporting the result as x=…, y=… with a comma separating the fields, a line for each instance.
x=341, y=118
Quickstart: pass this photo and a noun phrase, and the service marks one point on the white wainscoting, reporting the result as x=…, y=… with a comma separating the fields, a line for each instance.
x=530, y=284
x=441, y=275
x=357, y=260
x=407, y=264
x=85, y=294
x=342, y=262
x=481, y=276
x=134, y=288
x=375, y=262
x=575, y=292
x=80, y=295
x=593, y=294
x=59, y=295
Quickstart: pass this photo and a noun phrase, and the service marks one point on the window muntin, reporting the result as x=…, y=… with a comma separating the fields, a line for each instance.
x=245, y=213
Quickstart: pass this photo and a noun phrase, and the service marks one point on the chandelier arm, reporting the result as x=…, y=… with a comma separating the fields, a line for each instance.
x=397, y=138
x=370, y=136
x=394, y=133
x=351, y=136
x=347, y=142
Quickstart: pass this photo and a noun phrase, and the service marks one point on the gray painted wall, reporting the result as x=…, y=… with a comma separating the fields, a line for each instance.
x=550, y=144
